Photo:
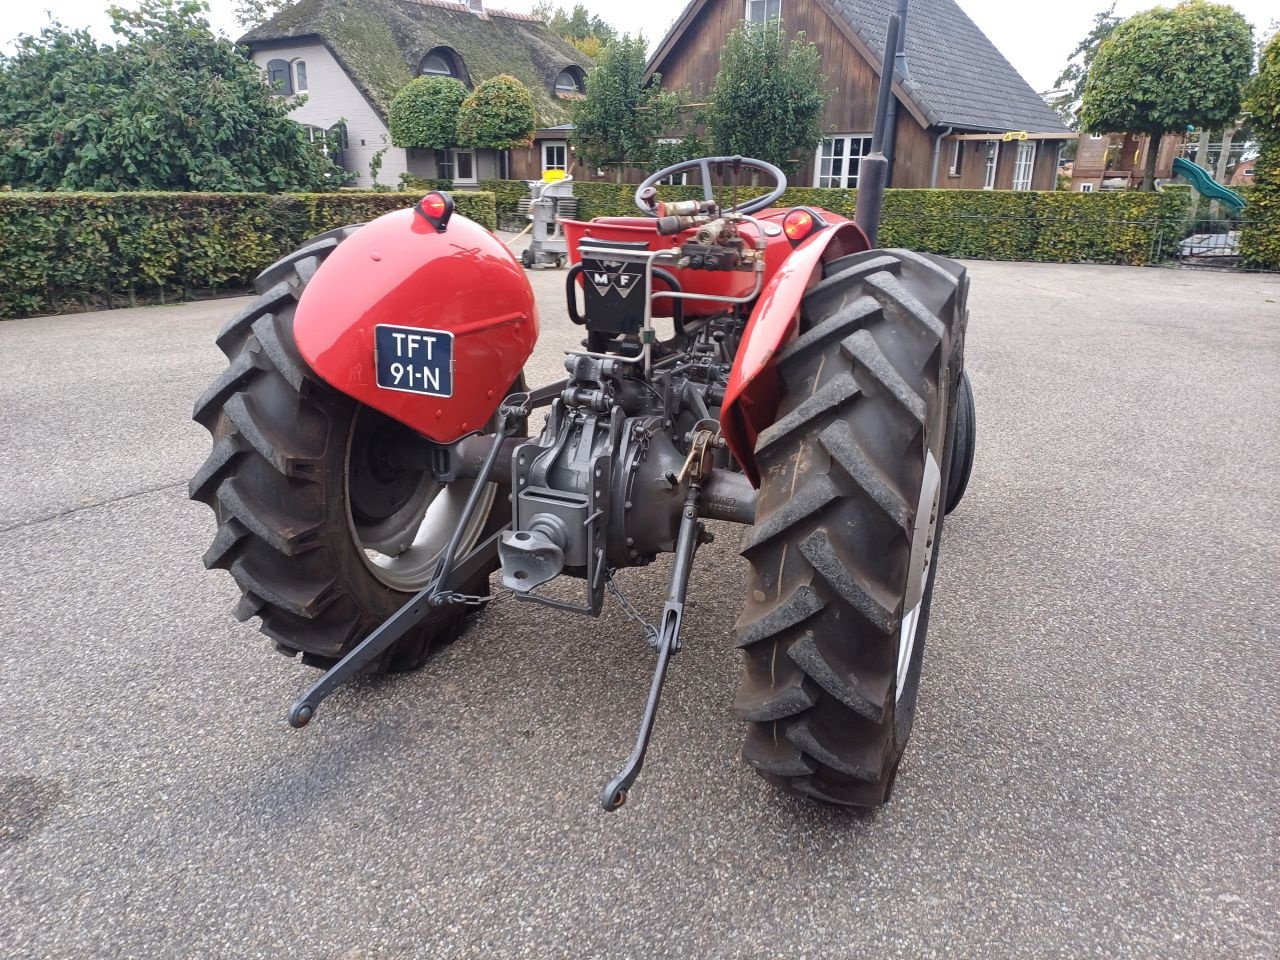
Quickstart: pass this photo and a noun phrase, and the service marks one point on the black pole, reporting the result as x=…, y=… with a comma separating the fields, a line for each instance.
x=871, y=173
x=899, y=70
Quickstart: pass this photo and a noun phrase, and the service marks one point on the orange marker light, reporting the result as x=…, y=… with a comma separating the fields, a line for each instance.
x=436, y=208
x=434, y=205
x=797, y=225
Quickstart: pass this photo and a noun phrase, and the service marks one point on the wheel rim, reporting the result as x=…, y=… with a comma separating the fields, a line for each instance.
x=400, y=518
x=922, y=538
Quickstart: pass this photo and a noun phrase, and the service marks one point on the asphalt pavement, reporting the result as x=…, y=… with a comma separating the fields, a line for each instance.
x=1093, y=773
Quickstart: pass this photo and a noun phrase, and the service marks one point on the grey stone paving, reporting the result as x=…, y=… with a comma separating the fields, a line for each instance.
x=1095, y=761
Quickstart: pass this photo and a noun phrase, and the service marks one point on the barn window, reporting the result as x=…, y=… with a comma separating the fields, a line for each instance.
x=299, y=75
x=762, y=11
x=278, y=78
x=957, y=155
x=555, y=155
x=840, y=160
x=441, y=62
x=993, y=160
x=1023, y=164
x=569, y=83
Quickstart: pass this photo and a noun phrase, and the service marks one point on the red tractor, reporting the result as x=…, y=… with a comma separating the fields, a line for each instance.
x=374, y=460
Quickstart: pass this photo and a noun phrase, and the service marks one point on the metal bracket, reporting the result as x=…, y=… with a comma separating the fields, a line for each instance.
x=439, y=592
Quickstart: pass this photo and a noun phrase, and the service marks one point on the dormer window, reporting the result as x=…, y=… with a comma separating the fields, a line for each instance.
x=570, y=83
x=280, y=78
x=442, y=62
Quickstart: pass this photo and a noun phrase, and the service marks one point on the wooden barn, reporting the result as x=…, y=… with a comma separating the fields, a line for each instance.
x=965, y=117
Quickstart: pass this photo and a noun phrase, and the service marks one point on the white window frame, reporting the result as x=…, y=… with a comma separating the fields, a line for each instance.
x=299, y=68
x=762, y=9
x=1095, y=136
x=475, y=173
x=562, y=145
x=1024, y=165
x=992, y=162
x=1086, y=188
x=957, y=155
x=841, y=150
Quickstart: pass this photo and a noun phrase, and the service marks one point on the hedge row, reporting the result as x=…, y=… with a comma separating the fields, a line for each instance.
x=61, y=251
x=1260, y=237
x=1056, y=227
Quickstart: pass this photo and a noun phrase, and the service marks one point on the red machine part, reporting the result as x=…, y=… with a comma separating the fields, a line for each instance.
x=717, y=283
x=399, y=269
x=751, y=400
x=804, y=239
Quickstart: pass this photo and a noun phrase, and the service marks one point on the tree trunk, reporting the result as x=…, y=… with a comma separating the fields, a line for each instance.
x=1228, y=134
x=1202, y=149
x=617, y=174
x=1153, y=154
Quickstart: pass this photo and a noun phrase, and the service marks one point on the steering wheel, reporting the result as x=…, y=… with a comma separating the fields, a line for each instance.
x=778, y=178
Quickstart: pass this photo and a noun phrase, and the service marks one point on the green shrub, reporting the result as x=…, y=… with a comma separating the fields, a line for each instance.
x=1260, y=236
x=424, y=114
x=66, y=251
x=498, y=116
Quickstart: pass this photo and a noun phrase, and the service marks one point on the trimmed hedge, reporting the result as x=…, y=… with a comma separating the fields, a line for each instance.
x=61, y=251
x=1055, y=226
x=1260, y=236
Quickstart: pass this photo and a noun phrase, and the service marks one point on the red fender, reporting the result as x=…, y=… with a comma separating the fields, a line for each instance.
x=400, y=270
x=751, y=399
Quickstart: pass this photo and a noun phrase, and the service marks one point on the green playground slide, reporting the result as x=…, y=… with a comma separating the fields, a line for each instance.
x=1206, y=185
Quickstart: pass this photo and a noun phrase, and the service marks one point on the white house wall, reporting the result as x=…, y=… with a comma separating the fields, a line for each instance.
x=332, y=97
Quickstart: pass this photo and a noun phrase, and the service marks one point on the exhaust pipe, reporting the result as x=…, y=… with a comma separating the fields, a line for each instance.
x=875, y=165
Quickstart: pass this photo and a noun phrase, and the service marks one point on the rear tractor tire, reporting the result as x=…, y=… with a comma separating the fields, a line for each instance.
x=843, y=553
x=965, y=444
x=325, y=532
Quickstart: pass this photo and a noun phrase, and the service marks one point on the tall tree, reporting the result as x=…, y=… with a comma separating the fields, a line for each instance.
x=619, y=121
x=1260, y=238
x=254, y=13
x=1166, y=70
x=768, y=96
x=1069, y=87
x=588, y=32
x=168, y=107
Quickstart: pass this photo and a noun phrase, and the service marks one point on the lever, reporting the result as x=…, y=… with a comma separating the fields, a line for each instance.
x=615, y=793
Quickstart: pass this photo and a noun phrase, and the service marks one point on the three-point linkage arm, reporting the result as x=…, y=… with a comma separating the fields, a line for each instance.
x=451, y=570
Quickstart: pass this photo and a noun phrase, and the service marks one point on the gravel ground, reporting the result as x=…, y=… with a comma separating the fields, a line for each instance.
x=1093, y=771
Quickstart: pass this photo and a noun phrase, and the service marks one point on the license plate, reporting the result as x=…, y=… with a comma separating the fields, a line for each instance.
x=414, y=360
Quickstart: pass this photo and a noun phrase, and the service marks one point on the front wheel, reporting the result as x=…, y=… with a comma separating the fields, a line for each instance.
x=326, y=529
x=844, y=549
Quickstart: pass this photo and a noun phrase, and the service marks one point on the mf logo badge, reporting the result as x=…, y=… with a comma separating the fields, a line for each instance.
x=617, y=275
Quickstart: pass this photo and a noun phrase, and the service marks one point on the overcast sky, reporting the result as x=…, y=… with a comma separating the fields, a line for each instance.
x=1035, y=37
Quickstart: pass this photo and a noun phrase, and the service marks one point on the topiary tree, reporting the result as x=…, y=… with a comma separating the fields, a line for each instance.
x=168, y=106
x=619, y=121
x=424, y=113
x=1165, y=70
x=498, y=116
x=768, y=96
x=1260, y=237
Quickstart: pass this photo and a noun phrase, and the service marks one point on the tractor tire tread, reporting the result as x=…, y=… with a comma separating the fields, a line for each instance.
x=862, y=386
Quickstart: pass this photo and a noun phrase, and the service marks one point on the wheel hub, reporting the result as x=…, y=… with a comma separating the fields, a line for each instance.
x=922, y=537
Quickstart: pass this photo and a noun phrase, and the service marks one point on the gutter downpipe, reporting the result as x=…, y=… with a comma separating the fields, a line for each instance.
x=937, y=146
x=899, y=72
